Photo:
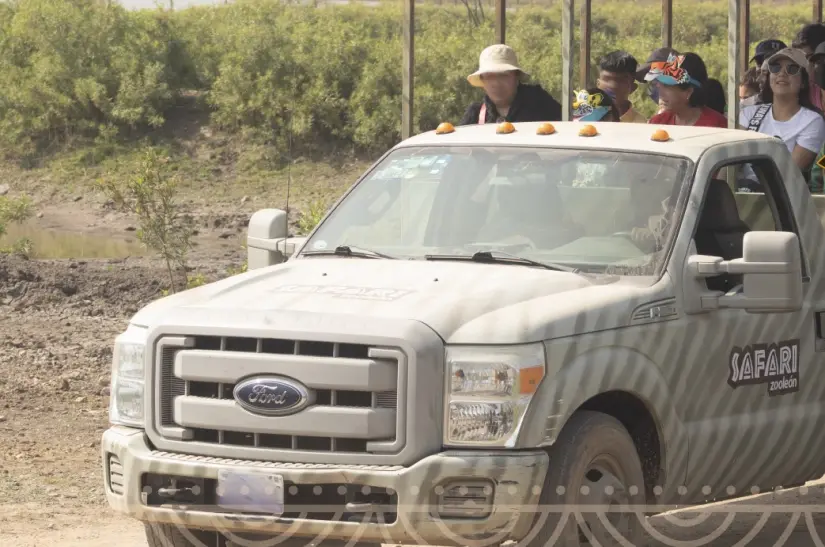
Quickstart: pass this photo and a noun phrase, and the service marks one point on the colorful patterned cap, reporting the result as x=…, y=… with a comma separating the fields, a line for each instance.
x=672, y=72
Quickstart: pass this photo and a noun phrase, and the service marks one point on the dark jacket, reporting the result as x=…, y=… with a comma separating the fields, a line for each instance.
x=532, y=104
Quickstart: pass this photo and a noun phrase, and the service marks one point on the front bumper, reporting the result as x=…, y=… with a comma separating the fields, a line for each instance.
x=516, y=480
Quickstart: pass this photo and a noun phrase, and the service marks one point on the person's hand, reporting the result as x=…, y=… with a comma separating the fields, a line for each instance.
x=640, y=235
x=650, y=236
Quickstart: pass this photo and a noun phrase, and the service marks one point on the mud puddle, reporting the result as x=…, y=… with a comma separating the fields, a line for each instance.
x=39, y=242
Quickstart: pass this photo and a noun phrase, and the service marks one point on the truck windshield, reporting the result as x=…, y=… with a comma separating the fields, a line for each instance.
x=589, y=209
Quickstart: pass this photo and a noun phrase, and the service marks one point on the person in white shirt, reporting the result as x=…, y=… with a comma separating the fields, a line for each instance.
x=786, y=111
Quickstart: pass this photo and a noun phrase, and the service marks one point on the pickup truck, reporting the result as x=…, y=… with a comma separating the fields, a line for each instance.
x=525, y=332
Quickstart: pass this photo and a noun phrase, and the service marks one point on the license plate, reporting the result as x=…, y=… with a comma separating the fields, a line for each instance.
x=251, y=491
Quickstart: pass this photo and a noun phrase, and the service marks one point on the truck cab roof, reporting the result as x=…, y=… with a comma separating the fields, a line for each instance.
x=686, y=141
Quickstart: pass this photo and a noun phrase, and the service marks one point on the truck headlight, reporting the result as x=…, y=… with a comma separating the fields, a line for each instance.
x=126, y=403
x=488, y=391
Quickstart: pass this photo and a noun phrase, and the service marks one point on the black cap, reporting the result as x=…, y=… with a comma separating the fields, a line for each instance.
x=818, y=52
x=766, y=48
x=659, y=55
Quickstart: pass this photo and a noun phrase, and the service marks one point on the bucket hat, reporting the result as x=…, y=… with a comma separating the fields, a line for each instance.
x=497, y=58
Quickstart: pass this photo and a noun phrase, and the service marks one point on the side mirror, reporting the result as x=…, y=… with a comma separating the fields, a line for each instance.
x=771, y=267
x=265, y=238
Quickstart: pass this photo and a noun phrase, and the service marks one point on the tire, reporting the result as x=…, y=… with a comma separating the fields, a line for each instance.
x=590, y=444
x=168, y=535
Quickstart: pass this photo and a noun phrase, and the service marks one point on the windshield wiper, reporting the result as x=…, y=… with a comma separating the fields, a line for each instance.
x=505, y=258
x=349, y=250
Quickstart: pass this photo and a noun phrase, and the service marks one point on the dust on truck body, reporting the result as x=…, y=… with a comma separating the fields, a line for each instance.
x=486, y=329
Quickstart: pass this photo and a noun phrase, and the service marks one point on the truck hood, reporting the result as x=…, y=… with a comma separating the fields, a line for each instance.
x=464, y=302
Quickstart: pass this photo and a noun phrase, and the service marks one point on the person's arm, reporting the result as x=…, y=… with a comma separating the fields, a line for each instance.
x=803, y=157
x=809, y=143
x=471, y=114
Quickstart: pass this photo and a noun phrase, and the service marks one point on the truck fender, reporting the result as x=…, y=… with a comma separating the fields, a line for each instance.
x=609, y=370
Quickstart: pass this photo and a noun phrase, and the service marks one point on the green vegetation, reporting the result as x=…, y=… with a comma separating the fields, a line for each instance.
x=150, y=195
x=92, y=91
x=79, y=72
x=309, y=218
x=15, y=211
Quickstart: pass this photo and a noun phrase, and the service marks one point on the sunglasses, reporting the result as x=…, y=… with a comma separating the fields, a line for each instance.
x=791, y=69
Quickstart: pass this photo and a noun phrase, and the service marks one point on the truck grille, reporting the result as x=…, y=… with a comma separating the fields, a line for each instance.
x=309, y=362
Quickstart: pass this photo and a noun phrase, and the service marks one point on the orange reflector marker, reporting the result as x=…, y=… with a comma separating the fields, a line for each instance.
x=444, y=127
x=588, y=131
x=505, y=127
x=660, y=135
x=529, y=378
x=545, y=129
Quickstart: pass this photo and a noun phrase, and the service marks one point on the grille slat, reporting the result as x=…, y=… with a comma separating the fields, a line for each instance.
x=115, y=475
x=173, y=387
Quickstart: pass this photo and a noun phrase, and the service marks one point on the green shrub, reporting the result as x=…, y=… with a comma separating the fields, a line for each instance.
x=80, y=69
x=69, y=68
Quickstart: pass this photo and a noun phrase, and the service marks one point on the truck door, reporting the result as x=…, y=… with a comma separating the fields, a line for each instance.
x=751, y=393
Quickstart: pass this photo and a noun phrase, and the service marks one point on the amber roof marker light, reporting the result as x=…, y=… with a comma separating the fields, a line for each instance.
x=588, y=131
x=504, y=128
x=545, y=129
x=660, y=135
x=444, y=128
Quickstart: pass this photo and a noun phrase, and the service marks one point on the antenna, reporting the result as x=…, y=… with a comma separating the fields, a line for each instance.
x=288, y=177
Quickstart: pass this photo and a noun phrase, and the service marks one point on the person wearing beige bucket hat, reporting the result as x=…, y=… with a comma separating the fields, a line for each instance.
x=507, y=95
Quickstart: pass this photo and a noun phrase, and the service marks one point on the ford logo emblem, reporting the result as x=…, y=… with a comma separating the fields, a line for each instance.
x=270, y=396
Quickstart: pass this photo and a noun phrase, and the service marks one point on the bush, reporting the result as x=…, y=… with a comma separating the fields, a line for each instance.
x=78, y=69
x=150, y=194
x=73, y=67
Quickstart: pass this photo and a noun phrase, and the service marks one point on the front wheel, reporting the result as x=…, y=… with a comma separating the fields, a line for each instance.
x=168, y=535
x=594, y=492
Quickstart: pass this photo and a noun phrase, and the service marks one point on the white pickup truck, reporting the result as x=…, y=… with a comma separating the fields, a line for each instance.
x=492, y=326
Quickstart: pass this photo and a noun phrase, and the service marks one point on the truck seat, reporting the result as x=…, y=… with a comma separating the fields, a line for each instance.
x=532, y=210
x=720, y=231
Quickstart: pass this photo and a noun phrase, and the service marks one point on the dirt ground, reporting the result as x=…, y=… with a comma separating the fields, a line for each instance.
x=58, y=320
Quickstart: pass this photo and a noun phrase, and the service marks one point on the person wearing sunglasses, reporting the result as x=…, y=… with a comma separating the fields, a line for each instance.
x=786, y=111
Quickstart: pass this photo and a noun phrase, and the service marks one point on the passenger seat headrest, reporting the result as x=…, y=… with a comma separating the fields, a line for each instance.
x=719, y=211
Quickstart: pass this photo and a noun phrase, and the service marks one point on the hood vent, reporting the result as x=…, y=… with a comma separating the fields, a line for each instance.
x=661, y=310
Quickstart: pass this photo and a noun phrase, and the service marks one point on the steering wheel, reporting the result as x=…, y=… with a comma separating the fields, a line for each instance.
x=627, y=234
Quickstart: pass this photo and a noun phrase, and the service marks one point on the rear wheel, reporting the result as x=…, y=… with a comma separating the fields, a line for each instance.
x=594, y=492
